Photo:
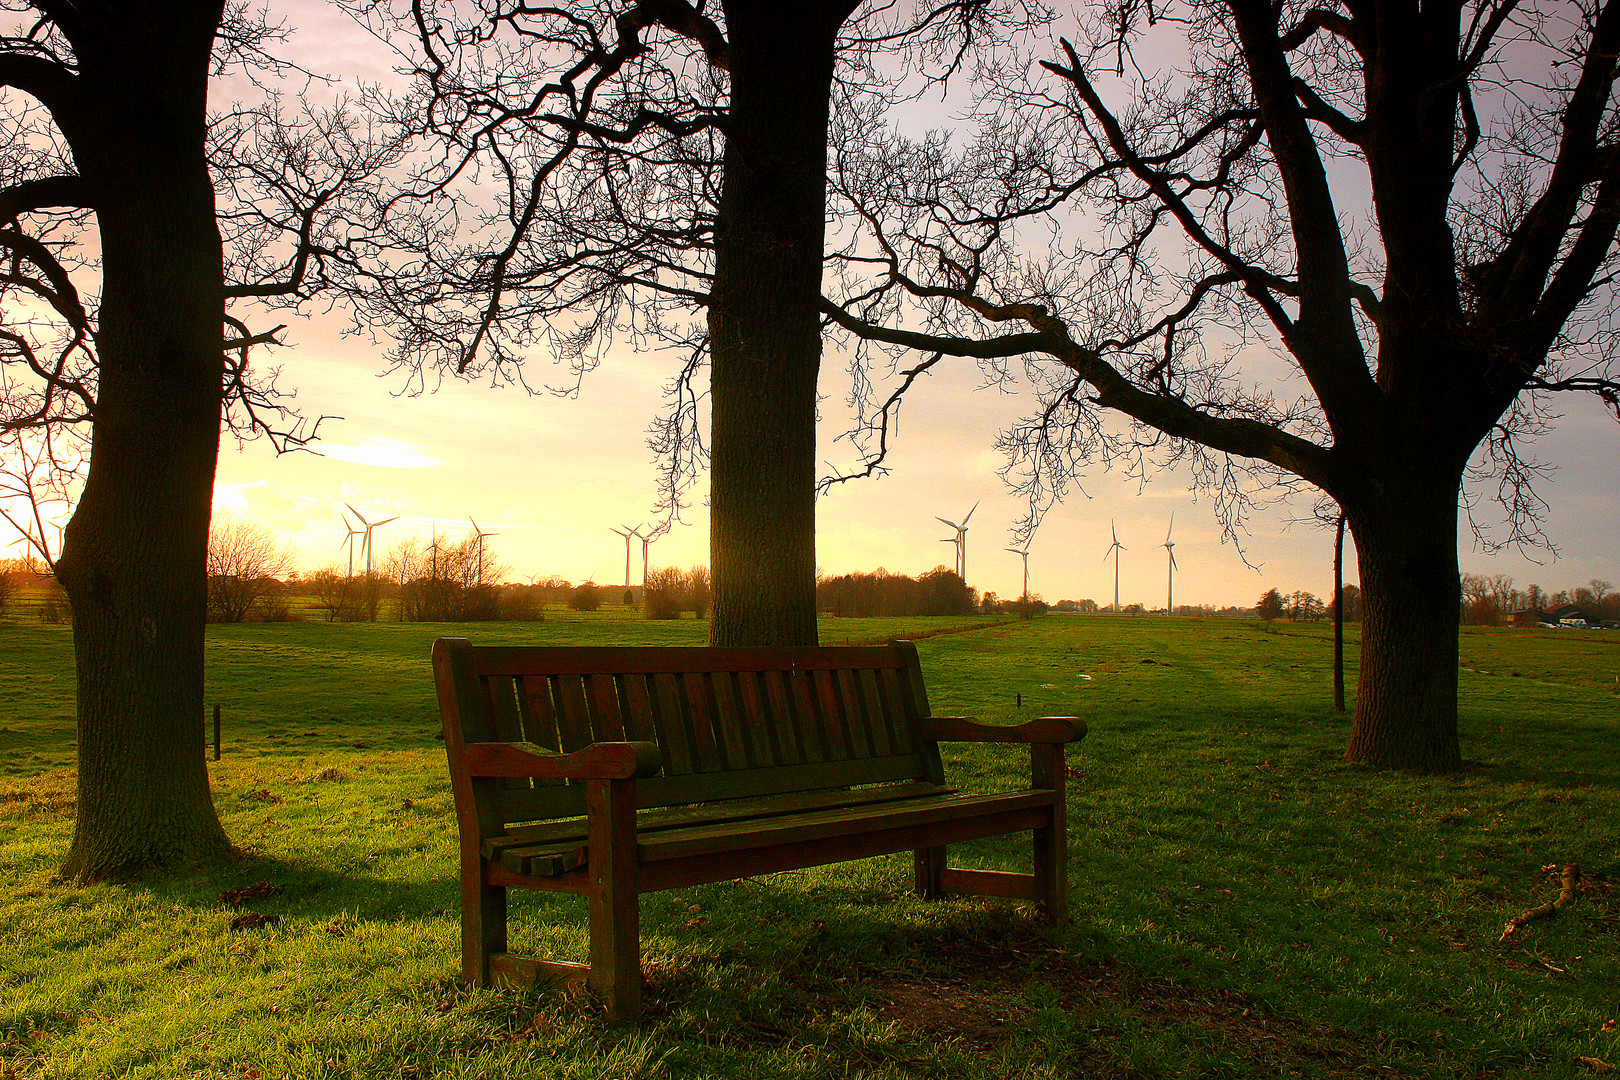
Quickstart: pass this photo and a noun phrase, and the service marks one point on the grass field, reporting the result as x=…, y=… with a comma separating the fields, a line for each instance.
x=1245, y=905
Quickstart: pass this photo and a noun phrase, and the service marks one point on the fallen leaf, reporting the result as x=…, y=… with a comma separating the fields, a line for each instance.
x=258, y=890
x=252, y=920
x=1598, y=1066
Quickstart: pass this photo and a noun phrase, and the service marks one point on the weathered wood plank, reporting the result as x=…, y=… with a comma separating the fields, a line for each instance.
x=607, y=723
x=507, y=721
x=730, y=725
x=807, y=725
x=700, y=717
x=762, y=732
x=830, y=715
x=830, y=824
x=573, y=712
x=859, y=725
x=955, y=882
x=538, y=714
x=625, y=660
x=637, y=709
x=901, y=722
x=756, y=783
x=558, y=835
x=674, y=730
x=751, y=862
x=790, y=744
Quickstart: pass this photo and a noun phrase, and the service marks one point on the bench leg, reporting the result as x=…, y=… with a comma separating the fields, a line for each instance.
x=1052, y=840
x=1052, y=871
x=615, y=902
x=929, y=863
x=483, y=923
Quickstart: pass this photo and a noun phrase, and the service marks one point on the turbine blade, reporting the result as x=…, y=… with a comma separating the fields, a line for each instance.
x=1173, y=565
x=357, y=514
x=969, y=514
x=384, y=521
x=952, y=524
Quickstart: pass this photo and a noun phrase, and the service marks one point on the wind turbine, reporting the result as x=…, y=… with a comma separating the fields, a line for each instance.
x=482, y=536
x=1114, y=549
x=1024, y=553
x=348, y=541
x=365, y=545
x=960, y=541
x=1169, y=546
x=627, y=532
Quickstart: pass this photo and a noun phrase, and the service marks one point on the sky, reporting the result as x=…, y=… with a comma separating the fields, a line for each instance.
x=550, y=478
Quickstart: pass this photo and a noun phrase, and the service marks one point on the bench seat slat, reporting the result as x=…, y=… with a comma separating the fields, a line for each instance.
x=828, y=824
x=686, y=835
x=510, y=807
x=682, y=817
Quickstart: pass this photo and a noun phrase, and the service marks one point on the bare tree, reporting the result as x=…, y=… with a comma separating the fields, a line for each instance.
x=658, y=175
x=245, y=563
x=120, y=200
x=442, y=580
x=1428, y=328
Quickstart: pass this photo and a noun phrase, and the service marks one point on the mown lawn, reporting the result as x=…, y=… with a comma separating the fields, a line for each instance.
x=1245, y=905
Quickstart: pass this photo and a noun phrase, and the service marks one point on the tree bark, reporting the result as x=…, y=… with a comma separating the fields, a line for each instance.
x=134, y=555
x=1406, y=694
x=765, y=333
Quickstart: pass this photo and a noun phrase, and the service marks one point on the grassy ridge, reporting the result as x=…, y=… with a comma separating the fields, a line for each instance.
x=1245, y=904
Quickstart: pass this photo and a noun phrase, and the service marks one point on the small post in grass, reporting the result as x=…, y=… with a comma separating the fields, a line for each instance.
x=216, y=731
x=1338, y=617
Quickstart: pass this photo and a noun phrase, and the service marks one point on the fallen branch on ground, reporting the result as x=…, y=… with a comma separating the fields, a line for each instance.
x=1568, y=879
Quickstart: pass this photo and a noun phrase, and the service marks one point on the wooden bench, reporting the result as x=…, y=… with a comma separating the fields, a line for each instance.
x=617, y=771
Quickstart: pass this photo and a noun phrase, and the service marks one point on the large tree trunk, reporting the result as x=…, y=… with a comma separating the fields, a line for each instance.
x=765, y=334
x=1406, y=696
x=134, y=557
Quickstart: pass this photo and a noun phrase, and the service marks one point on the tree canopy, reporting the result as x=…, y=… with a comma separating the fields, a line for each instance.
x=1198, y=175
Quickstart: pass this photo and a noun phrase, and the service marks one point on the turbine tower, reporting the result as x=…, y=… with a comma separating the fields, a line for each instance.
x=482, y=536
x=365, y=545
x=960, y=540
x=1169, y=546
x=1023, y=552
x=646, y=543
x=1114, y=549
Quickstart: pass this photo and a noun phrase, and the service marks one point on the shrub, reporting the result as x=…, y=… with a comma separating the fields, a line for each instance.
x=671, y=591
x=586, y=597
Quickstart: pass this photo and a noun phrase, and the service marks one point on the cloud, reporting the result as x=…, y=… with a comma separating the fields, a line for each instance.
x=378, y=452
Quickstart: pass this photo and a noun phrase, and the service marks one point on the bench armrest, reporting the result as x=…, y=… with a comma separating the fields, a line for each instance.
x=598, y=761
x=1048, y=729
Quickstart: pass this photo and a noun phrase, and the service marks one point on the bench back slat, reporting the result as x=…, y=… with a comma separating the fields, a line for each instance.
x=730, y=723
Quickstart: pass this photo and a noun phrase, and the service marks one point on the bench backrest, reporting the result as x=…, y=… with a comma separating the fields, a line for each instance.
x=730, y=723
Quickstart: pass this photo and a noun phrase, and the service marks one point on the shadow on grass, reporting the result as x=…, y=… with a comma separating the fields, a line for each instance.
x=304, y=890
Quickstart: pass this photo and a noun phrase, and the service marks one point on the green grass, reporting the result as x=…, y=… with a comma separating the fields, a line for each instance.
x=1245, y=905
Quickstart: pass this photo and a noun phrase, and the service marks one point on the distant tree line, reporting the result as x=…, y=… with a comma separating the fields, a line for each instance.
x=1302, y=606
x=1492, y=599
x=252, y=577
x=941, y=591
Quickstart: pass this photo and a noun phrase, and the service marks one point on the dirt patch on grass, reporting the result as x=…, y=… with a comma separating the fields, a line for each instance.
x=980, y=1017
x=988, y=990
